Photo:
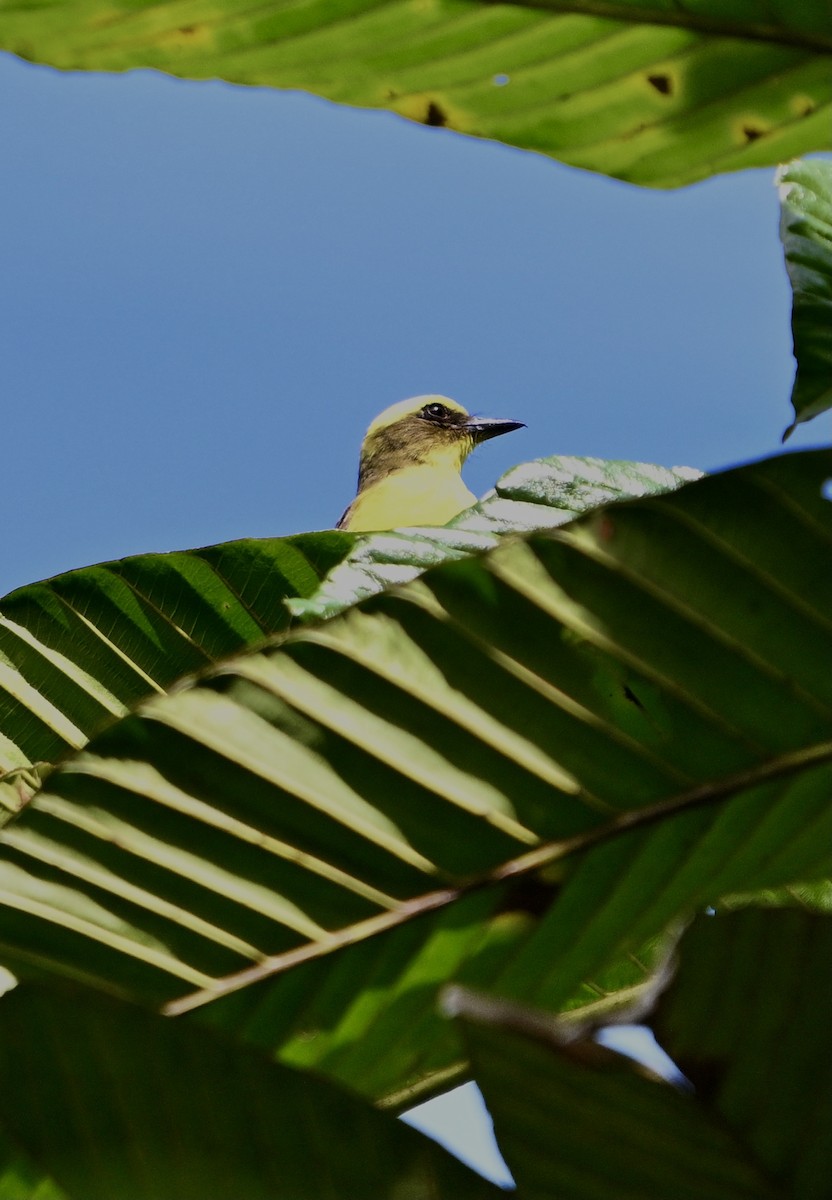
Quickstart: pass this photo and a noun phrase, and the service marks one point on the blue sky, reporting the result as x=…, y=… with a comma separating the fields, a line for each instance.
x=207, y=293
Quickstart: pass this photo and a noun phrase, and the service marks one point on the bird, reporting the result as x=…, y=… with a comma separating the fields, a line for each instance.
x=411, y=457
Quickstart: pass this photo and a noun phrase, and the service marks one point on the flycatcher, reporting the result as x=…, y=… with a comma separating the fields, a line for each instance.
x=409, y=472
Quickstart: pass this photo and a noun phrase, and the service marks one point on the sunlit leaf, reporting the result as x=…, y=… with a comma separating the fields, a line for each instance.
x=542, y=494
x=637, y=705
x=655, y=93
x=79, y=650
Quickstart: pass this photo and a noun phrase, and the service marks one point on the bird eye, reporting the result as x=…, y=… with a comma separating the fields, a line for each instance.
x=435, y=412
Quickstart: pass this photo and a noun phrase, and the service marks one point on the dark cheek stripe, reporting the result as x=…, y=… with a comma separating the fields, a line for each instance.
x=406, y=443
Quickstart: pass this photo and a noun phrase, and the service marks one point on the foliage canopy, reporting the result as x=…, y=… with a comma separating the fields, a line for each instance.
x=296, y=831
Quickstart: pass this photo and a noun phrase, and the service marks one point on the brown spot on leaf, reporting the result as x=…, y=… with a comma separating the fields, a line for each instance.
x=190, y=34
x=662, y=83
x=751, y=133
x=802, y=105
x=435, y=115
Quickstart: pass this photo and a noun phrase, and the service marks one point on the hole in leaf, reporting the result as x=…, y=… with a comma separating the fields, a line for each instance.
x=826, y=489
x=501, y=80
x=662, y=83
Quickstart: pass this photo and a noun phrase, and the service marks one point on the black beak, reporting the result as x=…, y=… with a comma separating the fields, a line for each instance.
x=483, y=428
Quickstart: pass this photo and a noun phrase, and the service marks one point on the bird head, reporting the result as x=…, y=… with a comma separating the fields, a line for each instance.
x=424, y=429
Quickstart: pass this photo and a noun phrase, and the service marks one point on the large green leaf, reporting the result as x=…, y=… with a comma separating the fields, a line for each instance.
x=79, y=650
x=541, y=494
x=367, y=1014
x=642, y=697
x=748, y=1019
x=806, y=233
x=654, y=92
x=576, y=1120
x=117, y=1102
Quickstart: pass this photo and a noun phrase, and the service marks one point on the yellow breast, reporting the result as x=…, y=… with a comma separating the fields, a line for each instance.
x=419, y=495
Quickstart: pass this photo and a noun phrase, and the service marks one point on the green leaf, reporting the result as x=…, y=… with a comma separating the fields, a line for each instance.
x=748, y=1018
x=580, y=1121
x=637, y=705
x=626, y=889
x=18, y=786
x=383, y=560
x=117, y=1102
x=20, y=1179
x=571, y=486
x=813, y=897
x=806, y=233
x=79, y=650
x=656, y=93
x=367, y=1015
x=542, y=494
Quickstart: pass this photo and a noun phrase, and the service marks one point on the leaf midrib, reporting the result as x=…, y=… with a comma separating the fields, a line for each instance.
x=703, y=795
